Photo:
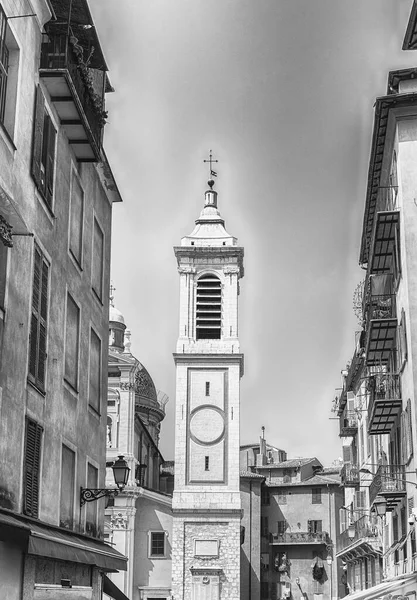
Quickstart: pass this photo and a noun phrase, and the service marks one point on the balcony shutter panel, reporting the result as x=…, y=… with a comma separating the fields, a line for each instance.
x=343, y=519
x=42, y=324
x=37, y=339
x=37, y=137
x=32, y=468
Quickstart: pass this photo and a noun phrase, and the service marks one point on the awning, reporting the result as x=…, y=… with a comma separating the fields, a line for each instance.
x=53, y=543
x=400, y=584
x=14, y=531
x=10, y=211
x=112, y=590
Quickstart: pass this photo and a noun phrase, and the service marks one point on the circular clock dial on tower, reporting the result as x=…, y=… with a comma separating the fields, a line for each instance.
x=207, y=425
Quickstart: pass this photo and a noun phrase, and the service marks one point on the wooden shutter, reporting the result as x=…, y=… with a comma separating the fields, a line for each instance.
x=98, y=258
x=32, y=468
x=38, y=137
x=49, y=160
x=38, y=327
x=95, y=374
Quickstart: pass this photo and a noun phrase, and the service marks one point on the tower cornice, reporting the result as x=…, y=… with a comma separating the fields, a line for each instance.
x=205, y=359
x=197, y=252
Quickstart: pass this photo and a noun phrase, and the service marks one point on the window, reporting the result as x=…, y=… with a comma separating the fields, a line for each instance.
x=38, y=326
x=206, y=463
x=72, y=335
x=43, y=157
x=264, y=589
x=98, y=260
x=282, y=496
x=91, y=507
x=95, y=372
x=209, y=308
x=281, y=527
x=402, y=342
x=66, y=509
x=407, y=434
x=4, y=64
x=32, y=468
x=157, y=544
x=9, y=68
x=207, y=388
x=265, y=497
x=314, y=526
x=264, y=526
x=316, y=496
x=76, y=219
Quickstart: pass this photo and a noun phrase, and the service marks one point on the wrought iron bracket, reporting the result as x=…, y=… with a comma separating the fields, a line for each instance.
x=93, y=494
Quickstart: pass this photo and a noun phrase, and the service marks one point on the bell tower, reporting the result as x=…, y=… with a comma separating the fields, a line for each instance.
x=209, y=365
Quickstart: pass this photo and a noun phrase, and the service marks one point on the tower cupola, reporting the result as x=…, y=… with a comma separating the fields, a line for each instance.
x=117, y=328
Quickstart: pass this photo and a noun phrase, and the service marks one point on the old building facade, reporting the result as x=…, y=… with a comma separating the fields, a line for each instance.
x=56, y=196
x=139, y=519
x=206, y=501
x=377, y=403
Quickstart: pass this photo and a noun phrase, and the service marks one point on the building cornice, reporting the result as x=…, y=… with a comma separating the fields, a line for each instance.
x=383, y=106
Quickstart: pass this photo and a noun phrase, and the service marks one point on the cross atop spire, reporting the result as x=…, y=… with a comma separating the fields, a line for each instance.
x=112, y=290
x=211, y=160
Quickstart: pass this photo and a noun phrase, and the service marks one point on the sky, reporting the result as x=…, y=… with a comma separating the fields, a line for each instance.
x=282, y=91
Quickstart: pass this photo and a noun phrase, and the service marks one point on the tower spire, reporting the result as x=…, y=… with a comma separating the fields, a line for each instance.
x=211, y=195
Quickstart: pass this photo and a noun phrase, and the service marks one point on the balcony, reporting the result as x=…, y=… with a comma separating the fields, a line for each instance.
x=76, y=84
x=384, y=403
x=366, y=538
x=299, y=538
x=350, y=475
x=381, y=319
x=348, y=423
x=389, y=482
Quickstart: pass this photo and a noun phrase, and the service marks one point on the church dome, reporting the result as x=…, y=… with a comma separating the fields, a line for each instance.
x=115, y=316
x=144, y=386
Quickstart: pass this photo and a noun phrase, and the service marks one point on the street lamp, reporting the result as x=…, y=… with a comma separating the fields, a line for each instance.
x=121, y=475
x=380, y=505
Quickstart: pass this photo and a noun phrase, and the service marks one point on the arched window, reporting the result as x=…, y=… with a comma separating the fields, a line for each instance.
x=209, y=308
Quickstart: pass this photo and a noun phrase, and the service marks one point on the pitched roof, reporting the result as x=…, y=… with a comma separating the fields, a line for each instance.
x=250, y=475
x=314, y=480
x=288, y=464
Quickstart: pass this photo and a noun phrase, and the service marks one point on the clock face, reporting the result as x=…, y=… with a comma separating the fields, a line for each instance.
x=207, y=425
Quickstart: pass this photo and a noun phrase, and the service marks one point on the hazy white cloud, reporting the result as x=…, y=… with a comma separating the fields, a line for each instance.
x=283, y=91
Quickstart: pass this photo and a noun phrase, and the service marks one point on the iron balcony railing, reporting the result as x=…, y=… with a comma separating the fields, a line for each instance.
x=349, y=475
x=57, y=53
x=300, y=537
x=364, y=529
x=388, y=481
x=387, y=198
x=348, y=423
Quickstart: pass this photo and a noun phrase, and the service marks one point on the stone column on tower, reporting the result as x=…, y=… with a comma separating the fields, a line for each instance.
x=209, y=365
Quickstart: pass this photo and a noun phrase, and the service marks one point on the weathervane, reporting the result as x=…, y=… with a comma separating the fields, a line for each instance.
x=211, y=160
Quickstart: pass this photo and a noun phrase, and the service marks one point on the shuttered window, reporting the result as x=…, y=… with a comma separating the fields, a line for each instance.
x=38, y=327
x=281, y=527
x=32, y=468
x=402, y=342
x=98, y=260
x=316, y=496
x=91, y=507
x=264, y=526
x=314, y=526
x=4, y=64
x=95, y=371
x=43, y=155
x=66, y=508
x=72, y=334
x=76, y=219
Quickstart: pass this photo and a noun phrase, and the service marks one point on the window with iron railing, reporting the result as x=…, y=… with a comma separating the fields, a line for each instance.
x=4, y=64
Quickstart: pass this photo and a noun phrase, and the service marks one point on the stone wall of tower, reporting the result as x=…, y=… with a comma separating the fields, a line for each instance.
x=225, y=566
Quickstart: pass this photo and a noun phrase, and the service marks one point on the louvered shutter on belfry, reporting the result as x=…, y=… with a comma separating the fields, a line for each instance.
x=32, y=468
x=37, y=137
